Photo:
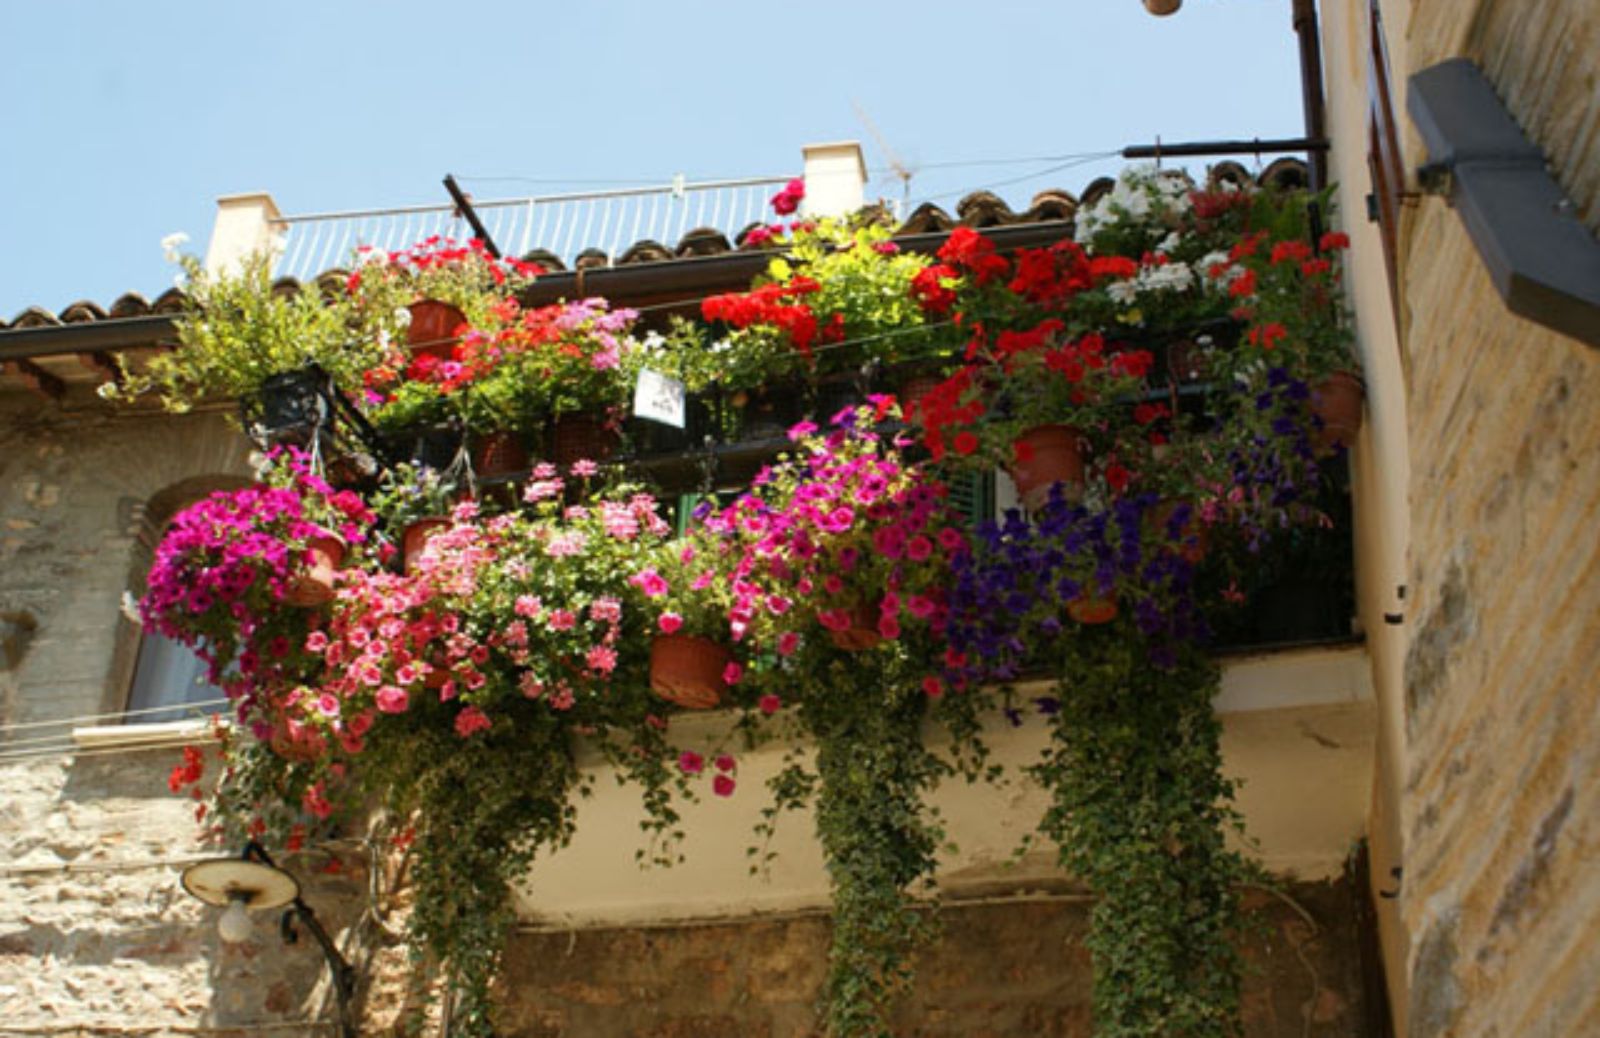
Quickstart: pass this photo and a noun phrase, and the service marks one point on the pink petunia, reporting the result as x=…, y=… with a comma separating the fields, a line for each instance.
x=691, y=763
x=669, y=623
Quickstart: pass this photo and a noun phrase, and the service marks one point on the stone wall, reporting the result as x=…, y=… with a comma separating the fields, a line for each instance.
x=1002, y=970
x=1502, y=783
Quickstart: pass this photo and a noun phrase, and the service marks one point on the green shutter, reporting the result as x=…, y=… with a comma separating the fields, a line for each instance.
x=972, y=497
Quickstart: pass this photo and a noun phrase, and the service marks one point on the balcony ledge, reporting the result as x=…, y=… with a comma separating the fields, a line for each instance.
x=1298, y=734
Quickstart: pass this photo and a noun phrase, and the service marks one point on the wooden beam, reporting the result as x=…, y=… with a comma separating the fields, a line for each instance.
x=102, y=364
x=37, y=379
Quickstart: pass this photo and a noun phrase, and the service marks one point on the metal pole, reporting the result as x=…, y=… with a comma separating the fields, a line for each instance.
x=464, y=207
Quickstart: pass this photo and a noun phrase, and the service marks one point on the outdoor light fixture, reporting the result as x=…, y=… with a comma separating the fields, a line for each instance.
x=251, y=882
x=1162, y=7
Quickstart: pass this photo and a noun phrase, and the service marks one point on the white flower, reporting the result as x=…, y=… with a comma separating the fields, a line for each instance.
x=402, y=317
x=170, y=245
x=130, y=608
x=1170, y=277
x=1170, y=243
x=1123, y=292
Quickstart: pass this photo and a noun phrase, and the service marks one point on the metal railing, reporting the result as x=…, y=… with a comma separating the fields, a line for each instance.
x=564, y=224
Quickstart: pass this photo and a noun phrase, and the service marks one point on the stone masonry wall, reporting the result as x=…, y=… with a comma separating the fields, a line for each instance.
x=1502, y=795
x=1014, y=970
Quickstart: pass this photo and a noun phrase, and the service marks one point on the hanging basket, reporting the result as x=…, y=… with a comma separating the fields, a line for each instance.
x=432, y=331
x=313, y=584
x=1337, y=402
x=862, y=634
x=687, y=670
x=1055, y=455
x=415, y=537
x=581, y=437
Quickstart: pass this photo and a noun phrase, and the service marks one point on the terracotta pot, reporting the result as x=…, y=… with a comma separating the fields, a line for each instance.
x=1090, y=608
x=579, y=437
x=687, y=670
x=432, y=332
x=915, y=387
x=1057, y=457
x=1194, y=540
x=313, y=584
x=862, y=634
x=499, y=455
x=1337, y=401
x=415, y=536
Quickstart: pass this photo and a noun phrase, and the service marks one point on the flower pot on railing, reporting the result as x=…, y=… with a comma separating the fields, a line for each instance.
x=1044, y=456
x=288, y=408
x=415, y=537
x=688, y=670
x=1337, y=401
x=581, y=437
x=499, y=455
x=312, y=585
x=1093, y=607
x=858, y=630
x=432, y=331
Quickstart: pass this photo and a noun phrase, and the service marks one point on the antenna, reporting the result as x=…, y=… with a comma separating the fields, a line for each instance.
x=900, y=169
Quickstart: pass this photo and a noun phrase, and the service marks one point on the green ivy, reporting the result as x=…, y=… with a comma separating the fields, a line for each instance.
x=1140, y=811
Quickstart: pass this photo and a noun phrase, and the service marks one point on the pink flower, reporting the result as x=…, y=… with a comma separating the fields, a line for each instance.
x=528, y=606
x=919, y=548
x=392, y=699
x=732, y=673
x=778, y=604
x=563, y=699
x=800, y=430
x=722, y=785
x=602, y=659
x=653, y=584
x=584, y=468
x=725, y=762
x=470, y=721
x=606, y=610
x=788, y=200
x=788, y=641
x=669, y=623
x=691, y=763
x=561, y=620
x=328, y=704
x=316, y=641
x=770, y=704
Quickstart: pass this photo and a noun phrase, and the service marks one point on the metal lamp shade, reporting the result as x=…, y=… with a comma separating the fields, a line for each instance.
x=224, y=880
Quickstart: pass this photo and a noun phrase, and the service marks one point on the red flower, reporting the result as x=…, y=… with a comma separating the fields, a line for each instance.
x=722, y=785
x=1333, y=241
x=965, y=443
x=1023, y=450
x=1118, y=476
x=1290, y=252
x=788, y=200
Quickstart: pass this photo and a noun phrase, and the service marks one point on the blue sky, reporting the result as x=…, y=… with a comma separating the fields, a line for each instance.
x=122, y=122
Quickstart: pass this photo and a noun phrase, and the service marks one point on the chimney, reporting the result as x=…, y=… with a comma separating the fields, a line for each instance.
x=836, y=179
x=245, y=224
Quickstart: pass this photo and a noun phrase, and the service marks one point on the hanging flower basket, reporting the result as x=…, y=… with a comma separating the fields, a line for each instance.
x=687, y=670
x=433, y=327
x=313, y=585
x=862, y=633
x=415, y=537
x=1047, y=455
x=1092, y=608
x=581, y=437
x=499, y=455
x=1337, y=401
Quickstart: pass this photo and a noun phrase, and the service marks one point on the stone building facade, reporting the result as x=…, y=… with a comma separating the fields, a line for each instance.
x=1460, y=740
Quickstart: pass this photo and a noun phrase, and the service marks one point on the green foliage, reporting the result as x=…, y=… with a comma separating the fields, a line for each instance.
x=237, y=332
x=1140, y=810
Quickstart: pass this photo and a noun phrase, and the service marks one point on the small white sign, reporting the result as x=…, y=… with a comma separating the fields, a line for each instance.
x=659, y=398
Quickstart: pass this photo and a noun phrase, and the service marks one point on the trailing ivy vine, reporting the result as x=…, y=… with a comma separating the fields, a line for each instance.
x=1139, y=810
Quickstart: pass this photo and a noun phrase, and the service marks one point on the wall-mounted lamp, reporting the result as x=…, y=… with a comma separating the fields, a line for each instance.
x=252, y=883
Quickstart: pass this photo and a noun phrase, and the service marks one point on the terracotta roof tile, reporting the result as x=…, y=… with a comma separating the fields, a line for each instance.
x=979, y=209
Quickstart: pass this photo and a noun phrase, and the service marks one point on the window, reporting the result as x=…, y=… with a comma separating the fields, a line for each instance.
x=169, y=674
